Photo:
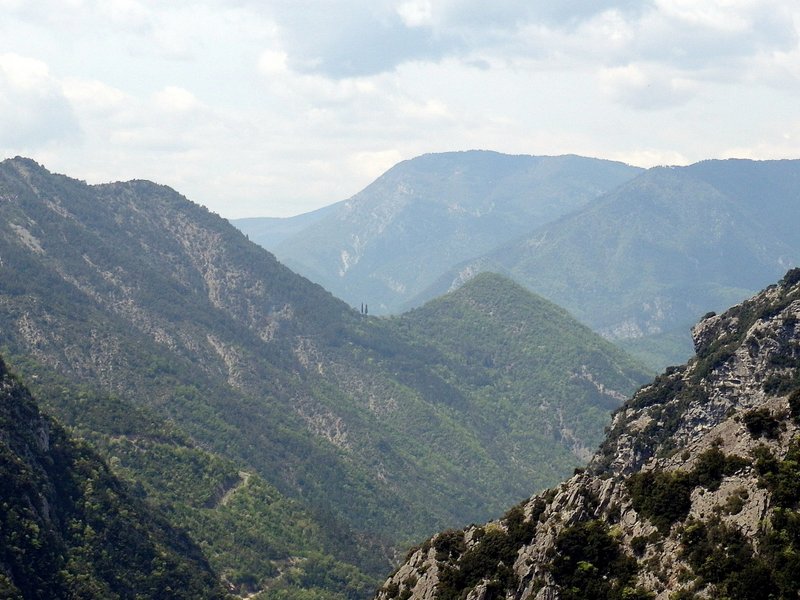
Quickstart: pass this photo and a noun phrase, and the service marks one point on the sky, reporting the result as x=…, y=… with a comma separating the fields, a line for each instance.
x=278, y=107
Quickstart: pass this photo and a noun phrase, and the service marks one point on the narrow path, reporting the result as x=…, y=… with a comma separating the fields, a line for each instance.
x=244, y=477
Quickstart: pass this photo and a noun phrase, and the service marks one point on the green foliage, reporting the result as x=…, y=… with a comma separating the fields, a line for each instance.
x=639, y=545
x=449, y=544
x=791, y=278
x=661, y=496
x=780, y=477
x=188, y=354
x=590, y=564
x=761, y=423
x=722, y=556
x=794, y=406
x=69, y=528
x=664, y=497
x=490, y=558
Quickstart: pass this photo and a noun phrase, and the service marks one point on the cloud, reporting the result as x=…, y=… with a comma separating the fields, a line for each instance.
x=174, y=99
x=33, y=109
x=646, y=86
x=277, y=107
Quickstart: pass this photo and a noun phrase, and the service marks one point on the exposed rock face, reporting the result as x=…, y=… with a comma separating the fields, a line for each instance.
x=694, y=492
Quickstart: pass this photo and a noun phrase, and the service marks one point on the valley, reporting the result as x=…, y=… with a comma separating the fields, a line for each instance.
x=187, y=355
x=637, y=255
x=268, y=440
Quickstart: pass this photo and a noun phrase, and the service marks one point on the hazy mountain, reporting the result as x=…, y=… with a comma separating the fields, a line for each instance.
x=70, y=529
x=694, y=493
x=269, y=232
x=392, y=240
x=297, y=440
x=643, y=262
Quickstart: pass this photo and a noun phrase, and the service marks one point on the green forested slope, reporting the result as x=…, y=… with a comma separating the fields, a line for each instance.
x=491, y=323
x=693, y=494
x=70, y=529
x=205, y=371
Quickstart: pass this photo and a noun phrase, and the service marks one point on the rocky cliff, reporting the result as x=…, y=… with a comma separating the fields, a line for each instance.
x=694, y=493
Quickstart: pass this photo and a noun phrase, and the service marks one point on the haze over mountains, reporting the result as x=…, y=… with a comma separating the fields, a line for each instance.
x=297, y=441
x=636, y=255
x=388, y=243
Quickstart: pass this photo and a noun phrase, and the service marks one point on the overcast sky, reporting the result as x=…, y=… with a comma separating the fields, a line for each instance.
x=276, y=107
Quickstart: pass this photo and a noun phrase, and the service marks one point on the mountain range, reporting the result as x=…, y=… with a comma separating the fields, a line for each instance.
x=389, y=242
x=636, y=255
x=299, y=442
x=693, y=494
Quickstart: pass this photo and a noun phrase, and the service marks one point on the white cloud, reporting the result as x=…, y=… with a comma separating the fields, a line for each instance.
x=416, y=13
x=273, y=61
x=646, y=86
x=24, y=74
x=175, y=99
x=93, y=96
x=128, y=13
x=33, y=109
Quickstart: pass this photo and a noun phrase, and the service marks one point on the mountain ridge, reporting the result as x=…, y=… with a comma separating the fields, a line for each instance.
x=451, y=205
x=651, y=256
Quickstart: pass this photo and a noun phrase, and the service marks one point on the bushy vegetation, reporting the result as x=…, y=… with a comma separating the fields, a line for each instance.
x=664, y=497
x=167, y=332
x=69, y=528
x=722, y=556
x=760, y=422
x=490, y=558
x=591, y=565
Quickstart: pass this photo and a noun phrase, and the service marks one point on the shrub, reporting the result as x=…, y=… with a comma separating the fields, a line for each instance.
x=639, y=545
x=449, y=544
x=590, y=563
x=761, y=423
x=663, y=497
x=794, y=406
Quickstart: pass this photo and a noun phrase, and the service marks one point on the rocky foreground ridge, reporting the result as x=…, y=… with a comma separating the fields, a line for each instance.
x=694, y=493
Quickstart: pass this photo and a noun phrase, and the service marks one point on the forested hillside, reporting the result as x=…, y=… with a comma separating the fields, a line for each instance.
x=70, y=529
x=693, y=494
x=641, y=264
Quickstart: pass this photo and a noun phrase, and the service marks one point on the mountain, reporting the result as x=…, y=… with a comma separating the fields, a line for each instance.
x=70, y=529
x=694, y=492
x=646, y=260
x=492, y=323
x=392, y=240
x=268, y=232
x=299, y=442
